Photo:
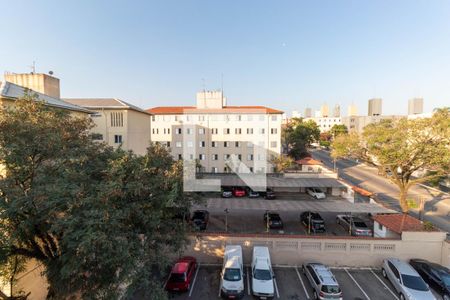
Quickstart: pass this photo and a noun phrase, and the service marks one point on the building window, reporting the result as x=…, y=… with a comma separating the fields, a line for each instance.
x=238, y=118
x=178, y=130
x=201, y=156
x=239, y=156
x=251, y=169
x=273, y=130
x=249, y=130
x=178, y=144
x=237, y=144
x=226, y=156
x=214, y=170
x=153, y=118
x=202, y=144
x=190, y=144
x=250, y=157
x=168, y=144
x=225, y=144
x=237, y=130
x=214, y=144
x=273, y=144
x=188, y=130
x=262, y=130
x=201, y=131
x=180, y=157
x=249, y=145
x=117, y=139
x=214, y=131
x=226, y=131
x=215, y=157
x=116, y=119
x=97, y=136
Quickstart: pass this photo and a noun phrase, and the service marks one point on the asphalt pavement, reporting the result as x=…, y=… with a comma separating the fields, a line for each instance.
x=437, y=204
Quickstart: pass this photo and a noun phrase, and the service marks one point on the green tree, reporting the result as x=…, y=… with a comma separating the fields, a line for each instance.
x=281, y=162
x=338, y=129
x=402, y=147
x=9, y=271
x=300, y=136
x=102, y=222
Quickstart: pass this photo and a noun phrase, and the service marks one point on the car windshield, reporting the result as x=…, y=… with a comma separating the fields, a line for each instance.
x=198, y=215
x=331, y=289
x=360, y=224
x=231, y=274
x=177, y=277
x=274, y=217
x=262, y=274
x=446, y=280
x=414, y=283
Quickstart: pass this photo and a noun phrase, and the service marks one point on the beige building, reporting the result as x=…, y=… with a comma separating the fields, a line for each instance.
x=324, y=111
x=39, y=82
x=118, y=123
x=375, y=107
x=357, y=123
x=326, y=123
x=415, y=106
x=352, y=110
x=213, y=133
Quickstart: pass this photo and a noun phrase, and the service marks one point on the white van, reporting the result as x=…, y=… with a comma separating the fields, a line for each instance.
x=232, y=275
x=262, y=273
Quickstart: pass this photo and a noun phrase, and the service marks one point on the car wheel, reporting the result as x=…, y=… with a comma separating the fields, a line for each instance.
x=384, y=273
x=402, y=297
x=315, y=295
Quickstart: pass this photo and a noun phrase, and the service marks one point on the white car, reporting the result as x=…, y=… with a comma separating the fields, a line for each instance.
x=262, y=273
x=232, y=275
x=407, y=282
x=316, y=193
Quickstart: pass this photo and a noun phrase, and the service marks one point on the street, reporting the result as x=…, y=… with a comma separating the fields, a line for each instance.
x=437, y=204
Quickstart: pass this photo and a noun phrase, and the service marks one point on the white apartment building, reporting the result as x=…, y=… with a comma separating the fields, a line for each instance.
x=216, y=134
x=326, y=123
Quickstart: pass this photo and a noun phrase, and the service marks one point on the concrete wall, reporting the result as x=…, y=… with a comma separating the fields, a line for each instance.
x=383, y=232
x=42, y=83
x=357, y=252
x=138, y=131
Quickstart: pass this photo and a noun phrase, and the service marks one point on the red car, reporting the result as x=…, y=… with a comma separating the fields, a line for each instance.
x=239, y=192
x=182, y=274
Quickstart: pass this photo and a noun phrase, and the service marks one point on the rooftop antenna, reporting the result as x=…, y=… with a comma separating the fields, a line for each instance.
x=33, y=67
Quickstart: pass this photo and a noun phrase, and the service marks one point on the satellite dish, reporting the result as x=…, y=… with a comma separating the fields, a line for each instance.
x=50, y=72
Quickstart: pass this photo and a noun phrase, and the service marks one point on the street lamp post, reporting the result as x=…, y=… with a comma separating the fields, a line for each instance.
x=226, y=219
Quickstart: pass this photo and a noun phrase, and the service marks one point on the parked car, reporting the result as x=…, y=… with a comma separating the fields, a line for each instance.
x=262, y=273
x=406, y=281
x=226, y=193
x=273, y=220
x=238, y=192
x=313, y=220
x=355, y=225
x=322, y=280
x=253, y=194
x=200, y=219
x=434, y=274
x=181, y=275
x=316, y=193
x=232, y=274
x=269, y=194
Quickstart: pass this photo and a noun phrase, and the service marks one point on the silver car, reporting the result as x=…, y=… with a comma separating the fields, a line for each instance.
x=323, y=282
x=406, y=281
x=355, y=225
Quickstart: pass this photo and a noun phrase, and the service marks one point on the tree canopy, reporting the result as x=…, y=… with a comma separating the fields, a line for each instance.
x=298, y=135
x=101, y=221
x=400, y=148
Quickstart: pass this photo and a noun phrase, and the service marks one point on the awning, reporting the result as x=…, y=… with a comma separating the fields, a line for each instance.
x=338, y=206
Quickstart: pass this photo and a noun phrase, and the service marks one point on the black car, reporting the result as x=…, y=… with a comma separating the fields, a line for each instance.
x=434, y=274
x=200, y=219
x=313, y=220
x=269, y=194
x=273, y=220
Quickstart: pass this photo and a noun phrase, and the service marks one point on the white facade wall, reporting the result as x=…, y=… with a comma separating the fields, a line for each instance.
x=325, y=124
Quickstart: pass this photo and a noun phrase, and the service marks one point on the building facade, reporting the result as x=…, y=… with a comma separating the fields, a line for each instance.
x=326, y=123
x=375, y=107
x=357, y=123
x=415, y=106
x=118, y=123
x=214, y=134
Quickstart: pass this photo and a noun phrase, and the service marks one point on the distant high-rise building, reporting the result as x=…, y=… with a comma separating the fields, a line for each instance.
x=415, y=106
x=324, y=111
x=308, y=112
x=317, y=114
x=337, y=111
x=352, y=110
x=375, y=107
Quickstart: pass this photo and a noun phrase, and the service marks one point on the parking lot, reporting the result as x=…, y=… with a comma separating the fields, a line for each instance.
x=251, y=221
x=291, y=283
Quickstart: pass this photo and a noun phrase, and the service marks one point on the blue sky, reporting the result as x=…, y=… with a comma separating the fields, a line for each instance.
x=284, y=54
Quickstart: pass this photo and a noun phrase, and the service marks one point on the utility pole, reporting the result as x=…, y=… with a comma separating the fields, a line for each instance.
x=226, y=219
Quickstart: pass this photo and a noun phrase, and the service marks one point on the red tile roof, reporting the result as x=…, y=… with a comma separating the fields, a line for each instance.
x=308, y=161
x=401, y=222
x=362, y=191
x=175, y=110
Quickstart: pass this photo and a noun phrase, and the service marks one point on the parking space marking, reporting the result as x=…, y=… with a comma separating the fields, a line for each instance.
x=276, y=288
x=380, y=280
x=356, y=282
x=301, y=280
x=248, y=280
x=193, y=281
